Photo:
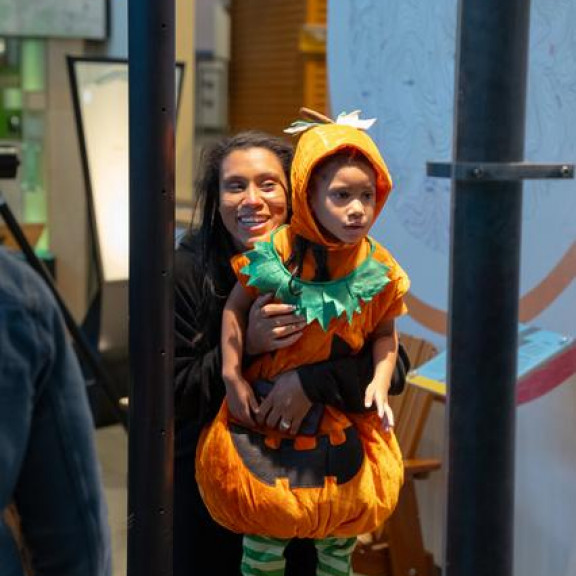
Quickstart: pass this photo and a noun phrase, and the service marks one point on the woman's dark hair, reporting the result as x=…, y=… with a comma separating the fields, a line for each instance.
x=207, y=231
x=295, y=261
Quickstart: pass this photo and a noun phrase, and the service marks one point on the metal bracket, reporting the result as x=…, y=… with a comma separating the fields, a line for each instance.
x=498, y=171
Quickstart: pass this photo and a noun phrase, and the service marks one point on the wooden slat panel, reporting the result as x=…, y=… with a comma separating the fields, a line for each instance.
x=266, y=79
x=315, y=85
x=316, y=13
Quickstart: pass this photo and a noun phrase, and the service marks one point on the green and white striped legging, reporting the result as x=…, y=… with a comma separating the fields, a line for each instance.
x=264, y=556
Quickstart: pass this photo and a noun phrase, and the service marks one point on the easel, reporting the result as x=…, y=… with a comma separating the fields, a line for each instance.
x=8, y=166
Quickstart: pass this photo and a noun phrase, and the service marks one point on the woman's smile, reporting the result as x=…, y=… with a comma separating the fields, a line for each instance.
x=253, y=199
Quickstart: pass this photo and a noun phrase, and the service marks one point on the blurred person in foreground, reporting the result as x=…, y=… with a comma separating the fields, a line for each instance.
x=48, y=464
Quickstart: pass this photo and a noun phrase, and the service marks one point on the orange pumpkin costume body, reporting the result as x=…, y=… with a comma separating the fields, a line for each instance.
x=266, y=482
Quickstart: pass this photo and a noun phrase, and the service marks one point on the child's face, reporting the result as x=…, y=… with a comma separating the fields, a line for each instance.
x=343, y=198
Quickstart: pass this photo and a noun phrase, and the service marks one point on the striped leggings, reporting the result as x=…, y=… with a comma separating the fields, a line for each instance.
x=264, y=556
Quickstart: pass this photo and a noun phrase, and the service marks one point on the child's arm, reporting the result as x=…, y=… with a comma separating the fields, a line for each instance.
x=239, y=394
x=385, y=351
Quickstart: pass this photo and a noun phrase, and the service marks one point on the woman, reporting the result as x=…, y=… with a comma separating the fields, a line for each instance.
x=244, y=194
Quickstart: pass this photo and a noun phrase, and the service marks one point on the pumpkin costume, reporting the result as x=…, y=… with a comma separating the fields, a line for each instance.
x=345, y=480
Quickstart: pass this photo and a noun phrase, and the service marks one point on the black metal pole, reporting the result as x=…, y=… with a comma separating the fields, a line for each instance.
x=83, y=347
x=484, y=288
x=152, y=122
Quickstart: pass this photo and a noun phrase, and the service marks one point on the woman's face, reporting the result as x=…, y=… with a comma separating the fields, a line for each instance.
x=253, y=195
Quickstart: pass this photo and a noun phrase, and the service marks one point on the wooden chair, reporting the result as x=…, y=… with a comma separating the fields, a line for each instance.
x=397, y=547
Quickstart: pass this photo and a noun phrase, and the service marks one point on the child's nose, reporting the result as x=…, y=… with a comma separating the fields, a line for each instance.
x=356, y=206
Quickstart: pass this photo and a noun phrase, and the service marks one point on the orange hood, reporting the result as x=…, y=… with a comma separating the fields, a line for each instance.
x=315, y=145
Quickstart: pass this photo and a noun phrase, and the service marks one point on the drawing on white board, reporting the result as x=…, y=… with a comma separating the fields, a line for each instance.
x=395, y=61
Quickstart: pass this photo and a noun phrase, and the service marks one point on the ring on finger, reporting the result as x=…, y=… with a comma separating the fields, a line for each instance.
x=284, y=425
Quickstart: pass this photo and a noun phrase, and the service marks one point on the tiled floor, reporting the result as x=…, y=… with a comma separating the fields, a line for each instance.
x=112, y=446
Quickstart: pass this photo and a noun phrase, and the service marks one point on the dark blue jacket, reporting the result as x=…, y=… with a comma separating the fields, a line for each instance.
x=48, y=462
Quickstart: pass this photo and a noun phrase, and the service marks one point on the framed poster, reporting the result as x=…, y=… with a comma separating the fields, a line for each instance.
x=100, y=93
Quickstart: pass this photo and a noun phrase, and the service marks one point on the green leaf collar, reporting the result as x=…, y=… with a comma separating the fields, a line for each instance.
x=320, y=301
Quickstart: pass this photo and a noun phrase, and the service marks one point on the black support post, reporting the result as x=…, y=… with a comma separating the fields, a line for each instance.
x=152, y=130
x=484, y=288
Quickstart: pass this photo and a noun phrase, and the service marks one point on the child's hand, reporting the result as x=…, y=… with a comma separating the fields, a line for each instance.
x=378, y=393
x=242, y=403
x=388, y=418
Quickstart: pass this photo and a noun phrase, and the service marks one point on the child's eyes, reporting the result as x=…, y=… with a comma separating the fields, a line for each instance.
x=345, y=194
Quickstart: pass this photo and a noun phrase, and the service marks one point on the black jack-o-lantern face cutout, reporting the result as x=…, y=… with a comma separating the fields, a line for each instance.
x=302, y=468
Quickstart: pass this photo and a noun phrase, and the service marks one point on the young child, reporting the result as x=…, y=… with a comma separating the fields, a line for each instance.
x=343, y=479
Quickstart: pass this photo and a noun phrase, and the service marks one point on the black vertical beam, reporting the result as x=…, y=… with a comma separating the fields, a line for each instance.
x=484, y=288
x=152, y=121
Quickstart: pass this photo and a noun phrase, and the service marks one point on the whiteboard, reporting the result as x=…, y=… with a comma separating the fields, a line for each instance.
x=54, y=18
x=395, y=61
x=100, y=94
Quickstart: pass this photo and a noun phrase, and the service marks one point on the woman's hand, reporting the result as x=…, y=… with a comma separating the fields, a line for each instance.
x=242, y=403
x=286, y=403
x=271, y=326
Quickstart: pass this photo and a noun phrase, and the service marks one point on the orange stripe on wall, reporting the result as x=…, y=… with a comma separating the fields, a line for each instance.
x=538, y=299
x=532, y=304
x=430, y=317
